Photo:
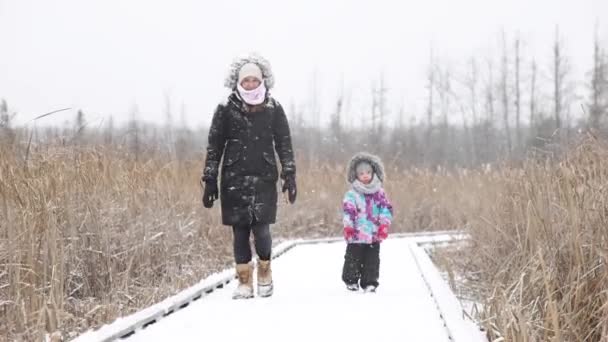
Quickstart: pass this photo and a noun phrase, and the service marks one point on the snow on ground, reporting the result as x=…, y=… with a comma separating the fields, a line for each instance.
x=311, y=303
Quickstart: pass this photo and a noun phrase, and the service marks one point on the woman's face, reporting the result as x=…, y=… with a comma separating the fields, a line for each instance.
x=250, y=83
x=364, y=176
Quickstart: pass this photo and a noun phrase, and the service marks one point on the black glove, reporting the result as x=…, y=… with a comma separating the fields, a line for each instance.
x=289, y=185
x=210, y=194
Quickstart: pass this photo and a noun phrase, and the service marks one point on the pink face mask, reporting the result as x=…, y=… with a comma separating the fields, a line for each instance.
x=253, y=97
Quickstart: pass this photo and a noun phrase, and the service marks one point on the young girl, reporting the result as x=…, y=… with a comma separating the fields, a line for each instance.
x=245, y=132
x=367, y=218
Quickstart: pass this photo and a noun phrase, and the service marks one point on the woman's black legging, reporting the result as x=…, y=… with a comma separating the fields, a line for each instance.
x=262, y=238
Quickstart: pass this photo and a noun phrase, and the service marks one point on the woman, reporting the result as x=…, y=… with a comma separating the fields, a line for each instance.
x=246, y=130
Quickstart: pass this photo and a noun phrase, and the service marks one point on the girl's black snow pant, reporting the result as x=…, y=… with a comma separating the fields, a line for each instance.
x=262, y=238
x=361, y=264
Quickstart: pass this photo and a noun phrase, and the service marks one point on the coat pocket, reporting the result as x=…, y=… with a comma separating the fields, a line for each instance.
x=233, y=152
x=270, y=158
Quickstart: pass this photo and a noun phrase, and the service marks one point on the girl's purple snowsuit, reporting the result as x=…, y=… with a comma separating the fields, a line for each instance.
x=366, y=220
x=366, y=217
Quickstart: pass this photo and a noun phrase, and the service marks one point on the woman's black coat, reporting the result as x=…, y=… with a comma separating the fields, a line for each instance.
x=247, y=141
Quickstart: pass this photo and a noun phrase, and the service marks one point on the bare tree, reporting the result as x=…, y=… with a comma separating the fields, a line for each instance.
x=399, y=147
x=379, y=113
x=182, y=116
x=400, y=115
x=444, y=91
x=557, y=93
x=335, y=128
x=471, y=83
x=505, y=91
x=79, y=119
x=563, y=88
x=559, y=74
x=294, y=118
x=79, y=127
x=335, y=124
x=517, y=93
x=169, y=138
x=168, y=111
x=315, y=113
x=533, y=106
x=134, y=132
x=489, y=94
x=470, y=149
x=374, y=110
x=382, y=107
x=182, y=139
x=488, y=123
x=109, y=138
x=598, y=106
x=430, y=99
x=6, y=118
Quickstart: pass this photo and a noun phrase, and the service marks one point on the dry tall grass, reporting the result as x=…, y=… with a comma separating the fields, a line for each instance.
x=539, y=248
x=537, y=259
x=90, y=233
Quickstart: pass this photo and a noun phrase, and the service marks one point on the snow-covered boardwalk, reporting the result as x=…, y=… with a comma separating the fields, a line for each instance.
x=311, y=303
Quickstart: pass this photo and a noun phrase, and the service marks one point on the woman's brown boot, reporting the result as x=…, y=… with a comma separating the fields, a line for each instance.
x=245, y=276
x=265, y=285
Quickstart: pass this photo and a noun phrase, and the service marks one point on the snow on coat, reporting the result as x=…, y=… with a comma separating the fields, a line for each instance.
x=245, y=143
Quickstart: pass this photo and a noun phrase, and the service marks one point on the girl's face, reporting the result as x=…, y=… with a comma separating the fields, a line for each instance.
x=250, y=83
x=364, y=176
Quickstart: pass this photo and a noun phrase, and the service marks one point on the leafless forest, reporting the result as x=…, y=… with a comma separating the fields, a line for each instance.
x=98, y=221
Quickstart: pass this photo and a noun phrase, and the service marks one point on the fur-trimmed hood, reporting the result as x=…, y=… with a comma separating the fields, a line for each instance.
x=233, y=73
x=373, y=160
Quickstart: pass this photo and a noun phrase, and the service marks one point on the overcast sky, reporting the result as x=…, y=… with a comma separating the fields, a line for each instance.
x=108, y=56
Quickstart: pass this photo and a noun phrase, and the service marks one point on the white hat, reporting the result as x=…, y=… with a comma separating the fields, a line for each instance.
x=250, y=69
